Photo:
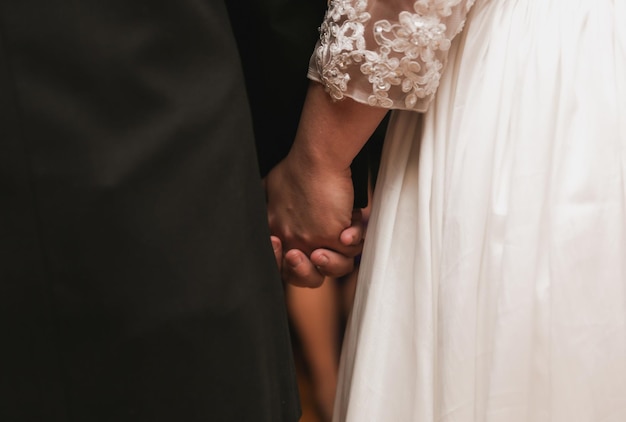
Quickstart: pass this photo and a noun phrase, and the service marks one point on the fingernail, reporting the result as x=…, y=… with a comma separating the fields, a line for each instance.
x=293, y=260
x=322, y=260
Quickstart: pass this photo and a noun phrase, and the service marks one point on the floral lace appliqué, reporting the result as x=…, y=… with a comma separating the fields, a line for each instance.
x=404, y=53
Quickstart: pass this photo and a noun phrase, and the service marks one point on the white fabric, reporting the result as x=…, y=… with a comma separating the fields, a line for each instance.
x=386, y=53
x=493, y=282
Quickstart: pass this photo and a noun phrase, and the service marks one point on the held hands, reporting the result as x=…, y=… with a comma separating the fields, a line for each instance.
x=315, y=231
x=310, y=194
x=303, y=271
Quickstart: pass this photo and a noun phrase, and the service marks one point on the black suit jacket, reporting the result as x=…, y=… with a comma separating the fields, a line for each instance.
x=137, y=282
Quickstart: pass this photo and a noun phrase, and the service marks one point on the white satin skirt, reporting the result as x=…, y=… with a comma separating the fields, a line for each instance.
x=493, y=282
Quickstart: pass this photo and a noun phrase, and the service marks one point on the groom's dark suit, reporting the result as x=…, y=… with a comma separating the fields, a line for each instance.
x=137, y=282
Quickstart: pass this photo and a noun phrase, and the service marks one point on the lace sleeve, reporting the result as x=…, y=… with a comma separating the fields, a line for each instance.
x=386, y=53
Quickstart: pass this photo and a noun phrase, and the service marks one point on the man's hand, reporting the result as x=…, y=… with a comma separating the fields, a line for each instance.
x=303, y=271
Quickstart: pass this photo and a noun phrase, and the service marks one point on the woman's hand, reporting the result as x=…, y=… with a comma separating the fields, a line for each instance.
x=310, y=194
x=310, y=205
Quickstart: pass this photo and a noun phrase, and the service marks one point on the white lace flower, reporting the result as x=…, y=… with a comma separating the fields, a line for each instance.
x=404, y=55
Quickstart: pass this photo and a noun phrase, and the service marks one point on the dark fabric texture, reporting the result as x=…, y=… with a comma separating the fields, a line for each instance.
x=137, y=281
x=276, y=39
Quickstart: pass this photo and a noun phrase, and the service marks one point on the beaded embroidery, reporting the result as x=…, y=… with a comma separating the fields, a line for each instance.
x=406, y=54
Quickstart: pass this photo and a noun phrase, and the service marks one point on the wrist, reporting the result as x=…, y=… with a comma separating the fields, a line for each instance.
x=316, y=159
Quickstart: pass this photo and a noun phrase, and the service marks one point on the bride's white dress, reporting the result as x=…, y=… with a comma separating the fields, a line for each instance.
x=493, y=281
